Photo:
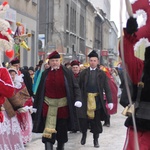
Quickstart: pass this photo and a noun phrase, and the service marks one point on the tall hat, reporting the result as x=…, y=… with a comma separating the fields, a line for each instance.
x=40, y=63
x=75, y=62
x=14, y=61
x=93, y=54
x=54, y=54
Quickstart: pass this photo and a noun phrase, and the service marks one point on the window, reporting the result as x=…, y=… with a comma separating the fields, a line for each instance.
x=67, y=17
x=81, y=26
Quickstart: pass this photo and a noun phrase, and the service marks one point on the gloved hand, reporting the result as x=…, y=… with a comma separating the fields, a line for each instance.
x=78, y=104
x=110, y=106
x=132, y=25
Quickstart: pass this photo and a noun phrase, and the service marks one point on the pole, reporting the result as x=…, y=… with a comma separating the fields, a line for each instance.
x=37, y=29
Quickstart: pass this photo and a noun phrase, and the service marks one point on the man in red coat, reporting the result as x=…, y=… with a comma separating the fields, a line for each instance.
x=57, y=95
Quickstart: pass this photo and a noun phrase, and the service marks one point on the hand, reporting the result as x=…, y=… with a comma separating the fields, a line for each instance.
x=110, y=106
x=78, y=104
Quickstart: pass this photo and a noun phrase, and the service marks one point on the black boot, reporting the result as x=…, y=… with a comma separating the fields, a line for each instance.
x=60, y=146
x=107, y=122
x=96, y=136
x=48, y=146
x=83, y=139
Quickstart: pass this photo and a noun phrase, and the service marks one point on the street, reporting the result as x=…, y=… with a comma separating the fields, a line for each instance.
x=112, y=137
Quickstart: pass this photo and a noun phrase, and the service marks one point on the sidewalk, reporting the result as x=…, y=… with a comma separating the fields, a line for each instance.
x=112, y=138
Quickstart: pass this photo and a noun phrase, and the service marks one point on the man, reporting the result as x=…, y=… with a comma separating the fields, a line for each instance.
x=57, y=94
x=27, y=79
x=93, y=82
x=75, y=67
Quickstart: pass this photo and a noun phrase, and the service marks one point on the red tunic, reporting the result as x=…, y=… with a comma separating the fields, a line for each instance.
x=55, y=88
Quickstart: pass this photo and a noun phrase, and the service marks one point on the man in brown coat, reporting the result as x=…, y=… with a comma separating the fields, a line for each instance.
x=92, y=83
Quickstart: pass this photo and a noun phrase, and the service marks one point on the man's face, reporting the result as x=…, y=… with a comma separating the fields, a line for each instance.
x=93, y=61
x=46, y=65
x=54, y=63
x=75, y=69
x=31, y=72
x=16, y=66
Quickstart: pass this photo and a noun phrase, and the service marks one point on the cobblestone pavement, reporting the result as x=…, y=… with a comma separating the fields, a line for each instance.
x=112, y=138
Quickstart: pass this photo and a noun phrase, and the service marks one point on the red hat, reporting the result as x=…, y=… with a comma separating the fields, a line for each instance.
x=54, y=54
x=75, y=62
x=14, y=61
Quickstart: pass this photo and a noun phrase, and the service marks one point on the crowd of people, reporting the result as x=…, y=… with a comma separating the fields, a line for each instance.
x=54, y=98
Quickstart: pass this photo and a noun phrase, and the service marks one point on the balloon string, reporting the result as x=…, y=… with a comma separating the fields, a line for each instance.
x=125, y=78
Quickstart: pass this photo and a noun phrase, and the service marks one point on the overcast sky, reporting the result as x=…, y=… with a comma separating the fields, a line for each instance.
x=115, y=14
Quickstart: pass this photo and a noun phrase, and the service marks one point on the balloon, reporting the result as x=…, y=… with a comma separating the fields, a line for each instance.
x=9, y=53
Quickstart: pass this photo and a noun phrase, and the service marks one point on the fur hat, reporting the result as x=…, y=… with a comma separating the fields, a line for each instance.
x=75, y=62
x=54, y=54
x=31, y=68
x=14, y=61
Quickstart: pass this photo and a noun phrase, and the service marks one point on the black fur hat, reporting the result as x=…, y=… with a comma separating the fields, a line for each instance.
x=93, y=54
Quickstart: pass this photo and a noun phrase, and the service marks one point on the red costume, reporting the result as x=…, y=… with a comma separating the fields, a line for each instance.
x=6, y=88
x=135, y=69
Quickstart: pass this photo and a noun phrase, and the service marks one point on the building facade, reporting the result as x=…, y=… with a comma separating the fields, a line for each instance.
x=64, y=27
x=90, y=28
x=74, y=28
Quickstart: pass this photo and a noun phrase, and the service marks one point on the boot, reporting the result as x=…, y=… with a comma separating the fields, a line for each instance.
x=107, y=122
x=60, y=146
x=96, y=136
x=83, y=139
x=48, y=146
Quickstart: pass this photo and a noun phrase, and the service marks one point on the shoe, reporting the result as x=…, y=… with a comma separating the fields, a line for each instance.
x=96, y=144
x=74, y=131
x=83, y=139
x=60, y=146
x=106, y=124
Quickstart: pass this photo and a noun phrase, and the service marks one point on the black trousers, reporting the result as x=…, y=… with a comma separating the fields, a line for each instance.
x=94, y=124
x=61, y=135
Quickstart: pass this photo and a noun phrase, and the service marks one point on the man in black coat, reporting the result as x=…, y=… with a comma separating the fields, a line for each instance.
x=93, y=82
x=57, y=95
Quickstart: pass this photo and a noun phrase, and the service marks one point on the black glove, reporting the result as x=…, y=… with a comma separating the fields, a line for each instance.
x=131, y=26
